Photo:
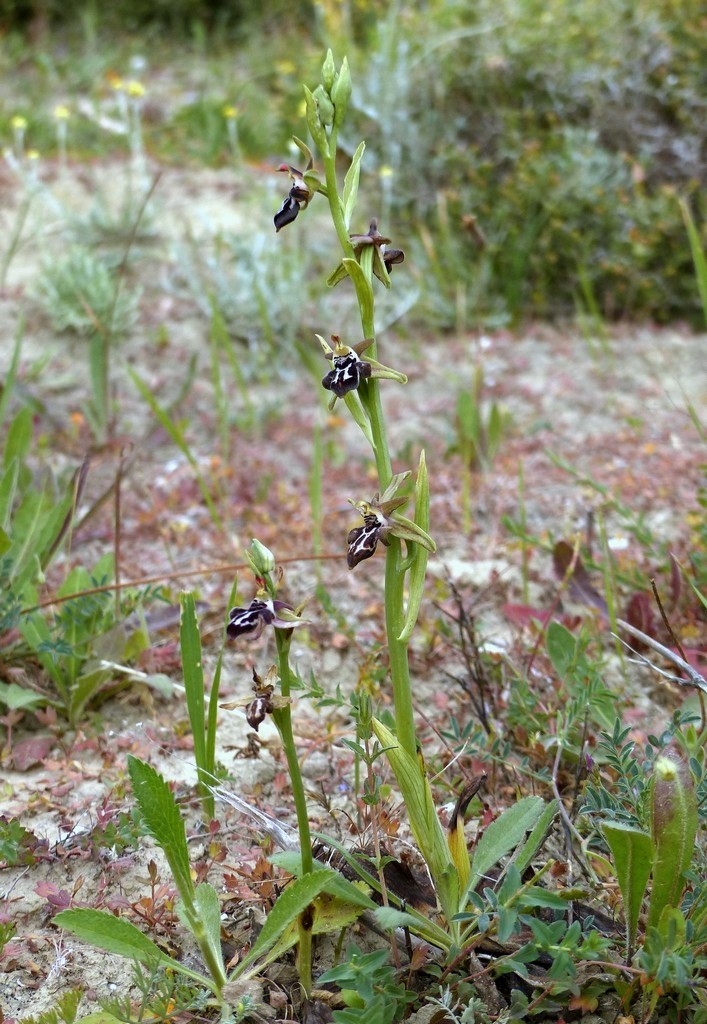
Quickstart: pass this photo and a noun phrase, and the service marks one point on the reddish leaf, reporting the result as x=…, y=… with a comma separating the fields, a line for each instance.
x=524, y=614
x=640, y=615
x=58, y=898
x=581, y=588
x=32, y=751
x=694, y=656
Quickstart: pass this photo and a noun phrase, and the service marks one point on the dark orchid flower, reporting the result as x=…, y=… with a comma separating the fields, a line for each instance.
x=363, y=540
x=305, y=184
x=349, y=369
x=382, y=521
x=263, y=702
x=383, y=258
x=252, y=620
x=346, y=375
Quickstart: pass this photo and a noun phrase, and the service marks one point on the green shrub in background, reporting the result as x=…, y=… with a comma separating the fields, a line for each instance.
x=564, y=133
x=567, y=131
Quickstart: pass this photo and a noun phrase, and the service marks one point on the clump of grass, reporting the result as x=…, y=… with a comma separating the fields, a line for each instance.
x=78, y=294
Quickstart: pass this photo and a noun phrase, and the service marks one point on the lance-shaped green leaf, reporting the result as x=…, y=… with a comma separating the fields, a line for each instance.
x=193, y=672
x=426, y=828
x=293, y=901
x=115, y=935
x=351, y=184
x=503, y=835
x=418, y=568
x=162, y=817
x=532, y=844
x=673, y=809
x=364, y=291
x=360, y=416
x=203, y=919
x=632, y=851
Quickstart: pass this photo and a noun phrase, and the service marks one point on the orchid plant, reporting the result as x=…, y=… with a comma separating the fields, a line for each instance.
x=355, y=378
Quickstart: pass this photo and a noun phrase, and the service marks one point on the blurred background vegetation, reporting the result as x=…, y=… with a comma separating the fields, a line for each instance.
x=529, y=154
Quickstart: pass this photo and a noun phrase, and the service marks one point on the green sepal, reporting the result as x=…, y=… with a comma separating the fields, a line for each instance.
x=305, y=151
x=313, y=182
x=406, y=529
x=337, y=275
x=379, y=267
x=382, y=372
x=351, y=184
x=394, y=486
x=418, y=569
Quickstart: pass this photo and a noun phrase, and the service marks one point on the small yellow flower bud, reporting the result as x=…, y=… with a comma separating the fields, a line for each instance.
x=19, y=123
x=135, y=89
x=61, y=113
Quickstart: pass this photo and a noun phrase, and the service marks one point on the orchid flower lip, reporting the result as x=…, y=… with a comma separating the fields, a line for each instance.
x=250, y=621
x=346, y=375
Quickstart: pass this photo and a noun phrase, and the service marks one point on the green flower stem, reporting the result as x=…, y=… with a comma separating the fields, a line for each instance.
x=335, y=204
x=398, y=650
x=395, y=567
x=282, y=718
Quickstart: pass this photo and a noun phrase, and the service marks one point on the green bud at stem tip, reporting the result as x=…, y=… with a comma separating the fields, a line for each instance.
x=328, y=72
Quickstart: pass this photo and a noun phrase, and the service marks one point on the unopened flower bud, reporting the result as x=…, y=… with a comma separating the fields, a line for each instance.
x=324, y=105
x=328, y=72
x=673, y=811
x=341, y=92
x=260, y=558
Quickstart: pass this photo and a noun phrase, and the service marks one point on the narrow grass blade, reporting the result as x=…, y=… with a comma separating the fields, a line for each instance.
x=193, y=672
x=177, y=436
x=11, y=375
x=698, y=254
